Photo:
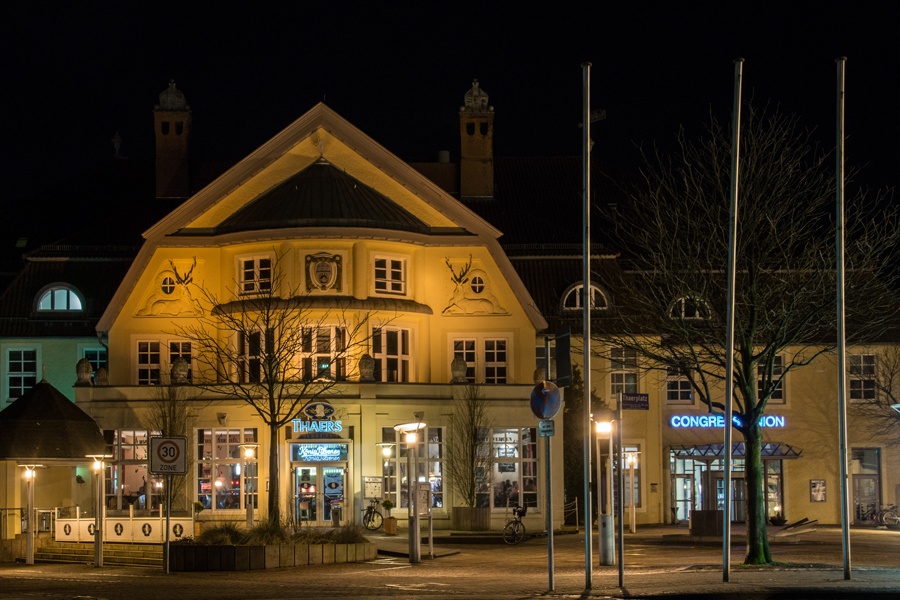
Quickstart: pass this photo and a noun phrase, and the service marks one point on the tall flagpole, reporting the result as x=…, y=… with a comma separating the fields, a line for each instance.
x=729, y=342
x=842, y=346
x=586, y=307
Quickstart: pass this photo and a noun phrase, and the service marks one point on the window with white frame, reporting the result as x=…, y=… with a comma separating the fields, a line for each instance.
x=495, y=361
x=21, y=371
x=322, y=353
x=678, y=388
x=762, y=381
x=632, y=488
x=540, y=354
x=390, y=275
x=59, y=298
x=391, y=351
x=97, y=358
x=862, y=377
x=128, y=481
x=515, y=470
x=181, y=349
x=689, y=309
x=226, y=478
x=574, y=298
x=148, y=356
x=255, y=274
x=466, y=350
x=623, y=375
x=429, y=467
x=253, y=346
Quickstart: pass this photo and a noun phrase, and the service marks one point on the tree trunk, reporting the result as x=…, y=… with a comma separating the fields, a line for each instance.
x=757, y=538
x=274, y=493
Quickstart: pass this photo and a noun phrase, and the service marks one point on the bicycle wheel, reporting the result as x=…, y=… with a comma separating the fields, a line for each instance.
x=514, y=532
x=892, y=520
x=372, y=520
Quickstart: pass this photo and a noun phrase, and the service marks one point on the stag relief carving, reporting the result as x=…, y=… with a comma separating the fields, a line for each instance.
x=472, y=293
x=171, y=294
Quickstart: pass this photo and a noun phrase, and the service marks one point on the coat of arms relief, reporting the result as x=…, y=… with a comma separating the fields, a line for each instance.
x=472, y=294
x=171, y=293
x=324, y=272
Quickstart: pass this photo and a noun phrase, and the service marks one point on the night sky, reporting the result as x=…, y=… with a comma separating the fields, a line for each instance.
x=75, y=74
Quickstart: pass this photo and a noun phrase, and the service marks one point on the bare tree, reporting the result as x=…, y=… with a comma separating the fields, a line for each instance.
x=172, y=414
x=277, y=349
x=468, y=463
x=672, y=287
x=882, y=420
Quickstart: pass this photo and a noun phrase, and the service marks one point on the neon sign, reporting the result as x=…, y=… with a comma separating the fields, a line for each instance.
x=301, y=426
x=318, y=452
x=719, y=421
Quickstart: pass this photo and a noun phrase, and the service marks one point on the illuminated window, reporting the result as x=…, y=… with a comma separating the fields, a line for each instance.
x=226, y=478
x=255, y=274
x=514, y=477
x=97, y=358
x=148, y=363
x=623, y=375
x=430, y=453
x=678, y=388
x=21, y=371
x=466, y=350
x=58, y=299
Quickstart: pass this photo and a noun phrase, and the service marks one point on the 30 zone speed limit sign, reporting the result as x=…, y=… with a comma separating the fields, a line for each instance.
x=168, y=455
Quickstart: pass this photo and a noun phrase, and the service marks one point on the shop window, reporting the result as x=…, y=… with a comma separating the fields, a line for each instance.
x=678, y=388
x=391, y=351
x=429, y=466
x=763, y=382
x=148, y=362
x=862, y=377
x=322, y=353
x=226, y=478
x=623, y=376
x=390, y=275
x=128, y=481
x=255, y=274
x=514, y=478
x=466, y=350
x=59, y=298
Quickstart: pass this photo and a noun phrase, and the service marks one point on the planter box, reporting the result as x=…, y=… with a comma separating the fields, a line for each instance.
x=244, y=558
x=471, y=519
x=390, y=525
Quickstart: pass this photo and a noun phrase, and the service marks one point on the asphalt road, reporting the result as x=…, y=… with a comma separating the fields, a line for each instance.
x=654, y=568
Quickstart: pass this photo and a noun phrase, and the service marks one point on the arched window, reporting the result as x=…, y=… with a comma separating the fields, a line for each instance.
x=573, y=299
x=58, y=298
x=689, y=308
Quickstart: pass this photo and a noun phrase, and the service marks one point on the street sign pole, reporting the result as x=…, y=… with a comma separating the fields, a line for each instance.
x=168, y=510
x=549, y=486
x=620, y=480
x=168, y=457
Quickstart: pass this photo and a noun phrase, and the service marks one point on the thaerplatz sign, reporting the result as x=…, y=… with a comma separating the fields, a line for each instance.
x=701, y=421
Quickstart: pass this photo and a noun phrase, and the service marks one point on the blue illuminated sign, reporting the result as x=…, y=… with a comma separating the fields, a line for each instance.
x=317, y=426
x=319, y=452
x=719, y=421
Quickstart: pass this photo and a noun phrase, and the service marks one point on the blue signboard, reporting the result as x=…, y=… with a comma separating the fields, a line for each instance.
x=545, y=400
x=319, y=452
x=635, y=401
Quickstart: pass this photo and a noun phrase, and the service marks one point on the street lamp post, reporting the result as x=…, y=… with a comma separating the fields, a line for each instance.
x=411, y=439
x=99, y=472
x=605, y=520
x=30, y=520
x=632, y=458
x=249, y=453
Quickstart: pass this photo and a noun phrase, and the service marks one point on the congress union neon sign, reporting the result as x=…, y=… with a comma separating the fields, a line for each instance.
x=301, y=426
x=719, y=421
x=319, y=452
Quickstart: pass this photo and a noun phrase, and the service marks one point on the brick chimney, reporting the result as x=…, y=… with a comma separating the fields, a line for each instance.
x=172, y=123
x=476, y=131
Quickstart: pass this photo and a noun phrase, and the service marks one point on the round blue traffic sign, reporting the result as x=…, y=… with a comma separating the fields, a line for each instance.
x=545, y=400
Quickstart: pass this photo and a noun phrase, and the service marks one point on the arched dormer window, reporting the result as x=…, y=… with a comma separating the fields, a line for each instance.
x=58, y=298
x=573, y=298
x=689, y=308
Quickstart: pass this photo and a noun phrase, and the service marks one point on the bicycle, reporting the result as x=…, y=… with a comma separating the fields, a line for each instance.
x=514, y=530
x=888, y=516
x=372, y=519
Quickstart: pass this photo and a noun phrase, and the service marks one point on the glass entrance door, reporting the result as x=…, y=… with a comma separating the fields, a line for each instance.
x=318, y=494
x=738, y=496
x=865, y=499
x=683, y=489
